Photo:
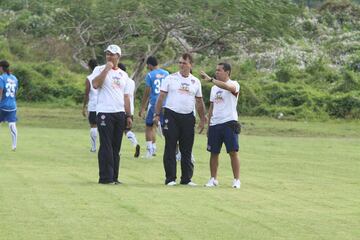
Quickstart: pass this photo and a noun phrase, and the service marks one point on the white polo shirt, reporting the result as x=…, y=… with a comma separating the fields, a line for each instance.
x=131, y=94
x=181, y=92
x=111, y=93
x=92, y=97
x=224, y=104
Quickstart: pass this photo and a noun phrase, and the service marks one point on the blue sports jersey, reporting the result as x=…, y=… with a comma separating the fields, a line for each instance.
x=153, y=80
x=9, y=85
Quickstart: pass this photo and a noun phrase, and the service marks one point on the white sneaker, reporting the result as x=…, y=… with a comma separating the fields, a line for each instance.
x=178, y=156
x=236, y=183
x=148, y=153
x=212, y=183
x=192, y=184
x=172, y=183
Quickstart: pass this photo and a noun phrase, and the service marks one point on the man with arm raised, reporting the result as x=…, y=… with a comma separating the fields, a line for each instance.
x=113, y=108
x=223, y=125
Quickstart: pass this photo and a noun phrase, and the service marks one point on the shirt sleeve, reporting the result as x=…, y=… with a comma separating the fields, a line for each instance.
x=212, y=94
x=199, y=91
x=237, y=86
x=148, y=80
x=94, y=74
x=165, y=84
x=127, y=89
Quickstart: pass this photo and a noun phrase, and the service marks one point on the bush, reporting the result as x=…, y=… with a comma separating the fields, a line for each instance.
x=344, y=105
x=350, y=82
x=46, y=81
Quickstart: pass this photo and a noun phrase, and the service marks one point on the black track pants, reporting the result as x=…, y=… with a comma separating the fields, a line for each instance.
x=110, y=127
x=178, y=127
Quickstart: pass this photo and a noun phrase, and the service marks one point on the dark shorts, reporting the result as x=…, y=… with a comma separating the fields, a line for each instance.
x=6, y=116
x=92, y=118
x=223, y=133
x=150, y=116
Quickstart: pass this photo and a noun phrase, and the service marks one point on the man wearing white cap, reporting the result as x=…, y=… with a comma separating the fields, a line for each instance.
x=113, y=108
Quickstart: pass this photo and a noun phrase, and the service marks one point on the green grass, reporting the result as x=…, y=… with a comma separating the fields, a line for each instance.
x=300, y=184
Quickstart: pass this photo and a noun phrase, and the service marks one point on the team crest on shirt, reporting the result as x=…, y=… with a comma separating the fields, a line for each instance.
x=116, y=81
x=192, y=81
x=218, y=97
x=184, y=89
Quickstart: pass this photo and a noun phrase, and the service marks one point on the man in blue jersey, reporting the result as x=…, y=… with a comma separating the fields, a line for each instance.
x=8, y=89
x=153, y=82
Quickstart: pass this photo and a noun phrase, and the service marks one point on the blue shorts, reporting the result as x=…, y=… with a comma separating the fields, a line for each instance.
x=6, y=116
x=150, y=116
x=222, y=133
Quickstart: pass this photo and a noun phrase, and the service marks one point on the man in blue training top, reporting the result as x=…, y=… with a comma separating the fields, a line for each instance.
x=8, y=89
x=153, y=82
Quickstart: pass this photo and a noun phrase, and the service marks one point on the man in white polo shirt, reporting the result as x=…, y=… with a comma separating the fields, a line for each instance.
x=223, y=122
x=181, y=90
x=113, y=110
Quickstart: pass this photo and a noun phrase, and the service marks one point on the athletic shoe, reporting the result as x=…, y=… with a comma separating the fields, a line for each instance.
x=212, y=183
x=236, y=183
x=13, y=149
x=148, y=153
x=191, y=184
x=137, y=151
x=117, y=182
x=178, y=156
x=172, y=183
x=93, y=150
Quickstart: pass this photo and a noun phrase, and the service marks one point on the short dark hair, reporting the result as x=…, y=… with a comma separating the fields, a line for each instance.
x=226, y=67
x=92, y=64
x=188, y=56
x=152, y=61
x=5, y=66
x=122, y=66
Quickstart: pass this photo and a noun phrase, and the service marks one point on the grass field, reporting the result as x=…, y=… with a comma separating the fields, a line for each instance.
x=300, y=180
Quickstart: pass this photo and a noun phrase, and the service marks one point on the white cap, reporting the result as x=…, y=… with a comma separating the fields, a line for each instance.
x=113, y=49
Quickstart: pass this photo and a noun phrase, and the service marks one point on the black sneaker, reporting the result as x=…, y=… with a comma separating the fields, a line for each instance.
x=137, y=151
x=117, y=182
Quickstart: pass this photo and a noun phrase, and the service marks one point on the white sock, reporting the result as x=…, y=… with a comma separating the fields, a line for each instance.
x=93, y=136
x=149, y=145
x=154, y=147
x=132, y=138
x=13, y=132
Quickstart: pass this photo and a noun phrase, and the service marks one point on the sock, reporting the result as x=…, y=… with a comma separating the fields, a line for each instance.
x=132, y=138
x=154, y=147
x=13, y=132
x=93, y=136
x=149, y=145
